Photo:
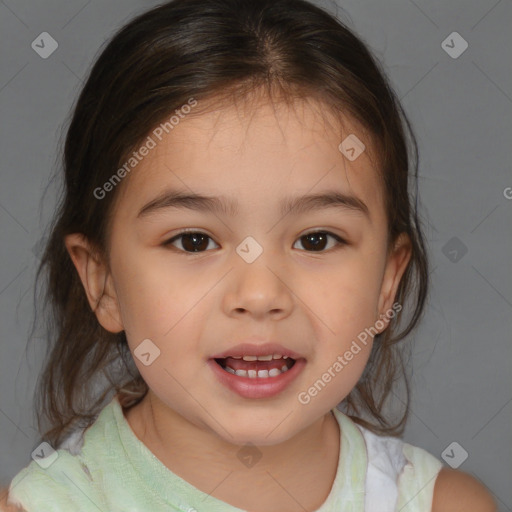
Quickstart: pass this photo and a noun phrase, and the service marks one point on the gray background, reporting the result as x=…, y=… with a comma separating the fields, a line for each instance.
x=461, y=110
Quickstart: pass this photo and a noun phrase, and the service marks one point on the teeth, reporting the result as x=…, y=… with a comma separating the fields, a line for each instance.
x=268, y=357
x=261, y=374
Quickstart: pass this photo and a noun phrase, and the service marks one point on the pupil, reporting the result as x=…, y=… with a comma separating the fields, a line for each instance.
x=320, y=238
x=194, y=237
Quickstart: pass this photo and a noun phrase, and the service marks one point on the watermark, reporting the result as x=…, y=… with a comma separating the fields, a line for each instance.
x=454, y=249
x=249, y=455
x=508, y=193
x=44, y=45
x=454, y=455
x=304, y=397
x=45, y=455
x=351, y=147
x=454, y=45
x=146, y=352
x=144, y=150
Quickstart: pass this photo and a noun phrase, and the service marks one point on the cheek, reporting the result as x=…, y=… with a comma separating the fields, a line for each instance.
x=344, y=296
x=165, y=306
x=152, y=298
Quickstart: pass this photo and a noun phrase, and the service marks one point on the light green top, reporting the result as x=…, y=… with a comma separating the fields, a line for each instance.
x=116, y=472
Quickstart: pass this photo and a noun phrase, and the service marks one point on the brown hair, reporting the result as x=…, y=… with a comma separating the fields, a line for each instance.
x=206, y=49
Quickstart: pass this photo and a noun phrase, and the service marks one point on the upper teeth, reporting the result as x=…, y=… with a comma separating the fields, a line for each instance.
x=269, y=357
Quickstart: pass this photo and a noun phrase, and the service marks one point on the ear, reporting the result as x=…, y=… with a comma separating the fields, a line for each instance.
x=397, y=261
x=96, y=280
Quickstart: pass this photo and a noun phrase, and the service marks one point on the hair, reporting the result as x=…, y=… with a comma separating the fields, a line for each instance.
x=212, y=50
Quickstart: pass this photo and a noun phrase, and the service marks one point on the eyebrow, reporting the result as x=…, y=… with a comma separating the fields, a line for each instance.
x=226, y=206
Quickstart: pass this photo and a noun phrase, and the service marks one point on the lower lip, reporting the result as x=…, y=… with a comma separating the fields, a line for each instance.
x=257, y=387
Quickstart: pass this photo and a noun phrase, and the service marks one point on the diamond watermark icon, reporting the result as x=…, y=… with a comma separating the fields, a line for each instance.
x=249, y=249
x=351, y=147
x=454, y=455
x=454, y=249
x=454, y=45
x=44, y=45
x=147, y=352
x=44, y=455
x=249, y=455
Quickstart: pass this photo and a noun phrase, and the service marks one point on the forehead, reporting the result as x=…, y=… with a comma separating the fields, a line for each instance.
x=257, y=152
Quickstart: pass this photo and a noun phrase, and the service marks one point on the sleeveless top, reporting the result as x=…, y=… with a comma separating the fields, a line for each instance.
x=107, y=468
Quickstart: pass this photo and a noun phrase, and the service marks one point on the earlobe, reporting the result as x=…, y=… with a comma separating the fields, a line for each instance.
x=96, y=280
x=396, y=264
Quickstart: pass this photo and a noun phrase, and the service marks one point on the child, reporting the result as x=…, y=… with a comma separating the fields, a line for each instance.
x=233, y=251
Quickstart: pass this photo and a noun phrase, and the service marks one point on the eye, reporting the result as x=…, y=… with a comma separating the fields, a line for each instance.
x=197, y=241
x=316, y=240
x=191, y=241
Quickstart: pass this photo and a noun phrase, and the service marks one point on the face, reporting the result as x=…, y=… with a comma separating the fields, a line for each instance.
x=251, y=279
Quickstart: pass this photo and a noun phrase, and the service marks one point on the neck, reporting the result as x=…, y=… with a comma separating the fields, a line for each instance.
x=263, y=476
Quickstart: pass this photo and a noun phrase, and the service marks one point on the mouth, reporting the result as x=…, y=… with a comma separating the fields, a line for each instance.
x=256, y=367
x=257, y=371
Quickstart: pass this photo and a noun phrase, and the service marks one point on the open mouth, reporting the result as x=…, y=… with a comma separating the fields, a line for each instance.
x=256, y=367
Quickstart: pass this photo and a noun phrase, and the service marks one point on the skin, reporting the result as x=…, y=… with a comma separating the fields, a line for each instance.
x=193, y=305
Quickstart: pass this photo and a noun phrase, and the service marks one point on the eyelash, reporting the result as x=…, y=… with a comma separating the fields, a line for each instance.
x=340, y=241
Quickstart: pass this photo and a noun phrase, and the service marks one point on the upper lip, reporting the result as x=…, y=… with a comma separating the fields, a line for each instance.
x=263, y=349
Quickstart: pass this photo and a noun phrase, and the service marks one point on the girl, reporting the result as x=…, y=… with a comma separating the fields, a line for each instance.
x=233, y=252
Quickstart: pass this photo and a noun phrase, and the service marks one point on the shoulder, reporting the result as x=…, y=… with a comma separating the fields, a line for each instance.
x=4, y=506
x=53, y=475
x=50, y=484
x=400, y=476
x=456, y=491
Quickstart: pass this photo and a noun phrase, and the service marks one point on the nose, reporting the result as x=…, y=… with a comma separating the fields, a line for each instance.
x=260, y=288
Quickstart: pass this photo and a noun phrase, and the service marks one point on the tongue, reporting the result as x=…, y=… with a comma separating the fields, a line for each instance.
x=240, y=364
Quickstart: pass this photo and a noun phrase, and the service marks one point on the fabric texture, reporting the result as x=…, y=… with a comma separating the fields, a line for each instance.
x=107, y=468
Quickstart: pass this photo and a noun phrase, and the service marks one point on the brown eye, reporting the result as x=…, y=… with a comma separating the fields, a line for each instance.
x=317, y=240
x=191, y=241
x=196, y=241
